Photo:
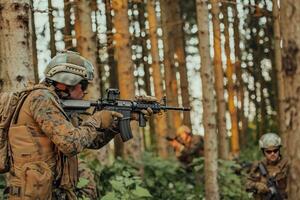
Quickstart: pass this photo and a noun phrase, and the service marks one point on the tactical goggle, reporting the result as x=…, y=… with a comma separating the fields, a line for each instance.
x=271, y=151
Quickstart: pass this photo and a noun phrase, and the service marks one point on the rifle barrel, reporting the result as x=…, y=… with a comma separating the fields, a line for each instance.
x=175, y=108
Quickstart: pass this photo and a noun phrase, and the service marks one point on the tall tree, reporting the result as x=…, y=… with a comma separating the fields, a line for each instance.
x=230, y=83
x=34, y=49
x=219, y=82
x=238, y=69
x=113, y=74
x=278, y=66
x=125, y=69
x=16, y=64
x=68, y=27
x=167, y=8
x=180, y=55
x=290, y=17
x=86, y=46
x=161, y=120
x=209, y=105
x=86, y=42
x=52, y=29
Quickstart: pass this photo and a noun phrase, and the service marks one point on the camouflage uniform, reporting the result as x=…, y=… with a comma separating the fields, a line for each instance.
x=273, y=167
x=279, y=171
x=190, y=150
x=44, y=144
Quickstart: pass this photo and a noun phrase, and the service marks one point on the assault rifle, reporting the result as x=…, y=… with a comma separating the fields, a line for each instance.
x=126, y=107
x=271, y=183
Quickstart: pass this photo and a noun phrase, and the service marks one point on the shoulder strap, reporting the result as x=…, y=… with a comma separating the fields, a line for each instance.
x=262, y=169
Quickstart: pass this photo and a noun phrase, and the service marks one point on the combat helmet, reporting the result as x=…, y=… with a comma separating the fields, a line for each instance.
x=183, y=129
x=69, y=68
x=269, y=140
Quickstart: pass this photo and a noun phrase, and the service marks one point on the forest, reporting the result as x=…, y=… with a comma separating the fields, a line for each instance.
x=233, y=62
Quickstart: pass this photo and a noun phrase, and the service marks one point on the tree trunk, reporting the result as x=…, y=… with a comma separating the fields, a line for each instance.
x=290, y=17
x=143, y=42
x=209, y=105
x=235, y=145
x=86, y=46
x=86, y=43
x=180, y=55
x=160, y=120
x=219, y=81
x=67, y=29
x=113, y=74
x=123, y=54
x=278, y=67
x=16, y=65
x=34, y=49
x=167, y=8
x=239, y=80
x=52, y=29
x=99, y=66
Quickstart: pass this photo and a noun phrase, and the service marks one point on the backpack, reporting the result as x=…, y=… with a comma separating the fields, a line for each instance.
x=10, y=103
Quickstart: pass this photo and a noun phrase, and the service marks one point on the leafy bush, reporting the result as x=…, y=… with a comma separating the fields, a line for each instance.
x=154, y=178
x=121, y=181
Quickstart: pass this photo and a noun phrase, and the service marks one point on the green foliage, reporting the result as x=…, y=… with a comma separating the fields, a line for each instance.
x=121, y=181
x=155, y=178
x=166, y=179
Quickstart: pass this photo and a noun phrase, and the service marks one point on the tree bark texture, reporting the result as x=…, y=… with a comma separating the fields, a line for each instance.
x=278, y=66
x=86, y=43
x=209, y=105
x=86, y=46
x=160, y=120
x=16, y=64
x=239, y=80
x=235, y=145
x=113, y=74
x=290, y=18
x=174, y=118
x=180, y=55
x=34, y=49
x=219, y=79
x=67, y=29
x=125, y=70
x=52, y=29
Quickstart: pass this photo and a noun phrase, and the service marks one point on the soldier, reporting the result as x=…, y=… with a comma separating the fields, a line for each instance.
x=43, y=141
x=186, y=145
x=268, y=178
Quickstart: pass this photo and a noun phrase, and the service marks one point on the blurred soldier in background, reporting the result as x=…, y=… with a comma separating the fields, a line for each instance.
x=268, y=178
x=44, y=143
x=186, y=145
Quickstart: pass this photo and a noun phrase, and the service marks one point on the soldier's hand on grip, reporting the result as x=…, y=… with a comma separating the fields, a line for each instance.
x=261, y=188
x=148, y=112
x=106, y=119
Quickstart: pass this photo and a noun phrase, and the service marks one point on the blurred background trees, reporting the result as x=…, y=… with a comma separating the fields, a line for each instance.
x=228, y=60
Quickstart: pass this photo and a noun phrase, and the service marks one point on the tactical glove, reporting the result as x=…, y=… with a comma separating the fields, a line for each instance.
x=147, y=113
x=145, y=98
x=261, y=188
x=106, y=119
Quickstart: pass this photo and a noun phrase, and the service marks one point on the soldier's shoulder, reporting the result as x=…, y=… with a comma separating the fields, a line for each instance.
x=41, y=92
x=284, y=163
x=254, y=166
x=197, y=138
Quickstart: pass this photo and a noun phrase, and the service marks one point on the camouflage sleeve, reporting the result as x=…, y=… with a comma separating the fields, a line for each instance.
x=103, y=138
x=50, y=118
x=252, y=178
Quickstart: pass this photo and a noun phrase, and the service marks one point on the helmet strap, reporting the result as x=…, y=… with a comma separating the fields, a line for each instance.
x=62, y=90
